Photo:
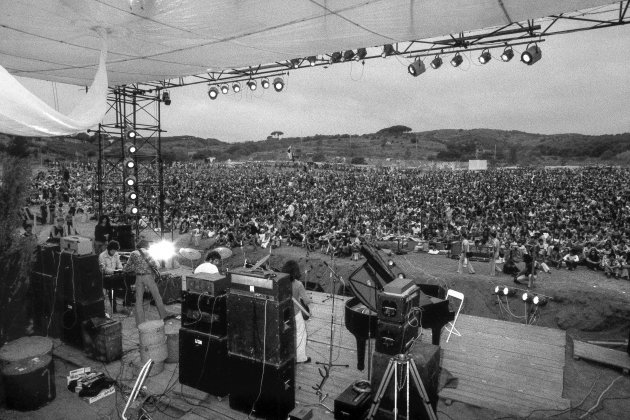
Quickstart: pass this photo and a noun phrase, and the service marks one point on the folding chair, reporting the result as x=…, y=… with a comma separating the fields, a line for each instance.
x=451, y=325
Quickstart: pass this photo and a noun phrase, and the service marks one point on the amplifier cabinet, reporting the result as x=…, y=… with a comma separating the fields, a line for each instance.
x=211, y=284
x=102, y=339
x=271, y=388
x=351, y=404
x=261, y=283
x=394, y=338
x=80, y=277
x=47, y=259
x=204, y=313
x=397, y=307
x=255, y=324
x=46, y=315
x=74, y=313
x=203, y=362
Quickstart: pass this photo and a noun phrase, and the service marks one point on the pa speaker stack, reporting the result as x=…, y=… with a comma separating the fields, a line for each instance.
x=261, y=343
x=123, y=234
x=203, y=345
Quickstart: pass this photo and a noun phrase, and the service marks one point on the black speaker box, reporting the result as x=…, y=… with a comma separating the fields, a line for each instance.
x=352, y=404
x=427, y=359
x=267, y=389
x=74, y=313
x=47, y=259
x=124, y=235
x=394, y=338
x=397, y=308
x=203, y=362
x=247, y=334
x=46, y=316
x=80, y=277
x=204, y=313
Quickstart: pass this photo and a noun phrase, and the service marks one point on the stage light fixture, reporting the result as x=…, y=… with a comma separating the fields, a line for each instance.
x=361, y=54
x=531, y=55
x=162, y=250
x=527, y=297
x=129, y=163
x=225, y=89
x=132, y=195
x=348, y=55
x=278, y=84
x=391, y=263
x=508, y=292
x=388, y=49
x=416, y=68
x=265, y=83
x=130, y=181
x=335, y=57
x=236, y=87
x=295, y=63
x=498, y=290
x=507, y=54
x=457, y=60
x=540, y=300
x=485, y=57
x=401, y=275
x=166, y=98
x=436, y=63
x=130, y=133
x=131, y=148
x=312, y=60
x=213, y=92
x=252, y=85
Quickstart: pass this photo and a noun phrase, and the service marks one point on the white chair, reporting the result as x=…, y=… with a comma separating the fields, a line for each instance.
x=450, y=327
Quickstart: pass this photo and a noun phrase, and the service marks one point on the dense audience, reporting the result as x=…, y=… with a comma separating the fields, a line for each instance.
x=561, y=217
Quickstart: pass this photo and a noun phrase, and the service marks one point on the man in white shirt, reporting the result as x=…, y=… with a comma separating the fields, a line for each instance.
x=213, y=259
x=109, y=262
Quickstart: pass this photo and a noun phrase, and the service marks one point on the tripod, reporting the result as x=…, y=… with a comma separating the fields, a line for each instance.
x=409, y=368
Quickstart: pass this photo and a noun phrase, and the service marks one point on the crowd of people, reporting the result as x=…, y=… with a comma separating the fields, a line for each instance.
x=561, y=217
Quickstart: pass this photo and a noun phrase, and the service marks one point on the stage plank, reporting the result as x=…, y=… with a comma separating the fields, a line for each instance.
x=603, y=355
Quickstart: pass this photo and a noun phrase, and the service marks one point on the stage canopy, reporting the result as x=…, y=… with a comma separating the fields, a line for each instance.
x=154, y=40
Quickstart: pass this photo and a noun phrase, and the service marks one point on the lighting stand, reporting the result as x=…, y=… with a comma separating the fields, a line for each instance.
x=409, y=371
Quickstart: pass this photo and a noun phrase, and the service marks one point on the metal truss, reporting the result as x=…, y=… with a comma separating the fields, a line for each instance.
x=136, y=110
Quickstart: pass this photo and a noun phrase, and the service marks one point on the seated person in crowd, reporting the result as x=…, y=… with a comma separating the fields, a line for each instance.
x=213, y=259
x=571, y=259
x=554, y=259
x=109, y=263
x=593, y=259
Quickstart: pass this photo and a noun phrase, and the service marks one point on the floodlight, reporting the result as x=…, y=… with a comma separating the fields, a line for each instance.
x=348, y=55
x=166, y=98
x=361, y=54
x=531, y=55
x=540, y=300
x=236, y=87
x=213, y=92
x=498, y=290
x=265, y=83
x=133, y=210
x=225, y=89
x=312, y=60
x=507, y=54
x=132, y=195
x=162, y=250
x=527, y=297
x=278, y=84
x=252, y=85
x=401, y=275
x=508, y=292
x=436, y=63
x=130, y=133
x=457, y=60
x=335, y=57
x=485, y=57
x=391, y=263
x=129, y=163
x=295, y=63
x=130, y=181
x=388, y=49
x=416, y=68
x=131, y=148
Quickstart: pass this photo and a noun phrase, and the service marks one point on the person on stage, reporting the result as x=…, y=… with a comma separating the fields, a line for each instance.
x=58, y=231
x=109, y=262
x=211, y=266
x=146, y=269
x=300, y=304
x=102, y=233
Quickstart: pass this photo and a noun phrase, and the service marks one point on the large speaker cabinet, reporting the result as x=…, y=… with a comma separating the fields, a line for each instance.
x=80, y=277
x=204, y=313
x=203, y=362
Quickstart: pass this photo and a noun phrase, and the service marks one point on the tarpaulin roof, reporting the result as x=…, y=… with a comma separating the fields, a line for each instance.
x=153, y=40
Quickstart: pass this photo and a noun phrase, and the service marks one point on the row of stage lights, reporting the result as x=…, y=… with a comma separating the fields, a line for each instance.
x=278, y=85
x=130, y=164
x=526, y=296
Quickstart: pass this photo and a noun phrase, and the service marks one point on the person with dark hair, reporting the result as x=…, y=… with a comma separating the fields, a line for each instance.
x=146, y=270
x=102, y=233
x=464, y=256
x=109, y=262
x=211, y=266
x=496, y=248
x=528, y=273
x=300, y=305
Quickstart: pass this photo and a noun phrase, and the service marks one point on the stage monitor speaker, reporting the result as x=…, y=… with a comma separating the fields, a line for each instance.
x=394, y=338
x=74, y=313
x=124, y=235
x=47, y=259
x=254, y=324
x=204, y=313
x=203, y=362
x=353, y=403
x=266, y=389
x=80, y=277
x=46, y=317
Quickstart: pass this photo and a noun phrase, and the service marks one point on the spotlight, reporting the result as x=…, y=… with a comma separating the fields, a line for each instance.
x=166, y=98
x=498, y=290
x=416, y=68
x=540, y=300
x=348, y=55
x=391, y=263
x=531, y=55
x=129, y=163
x=457, y=60
x=278, y=84
x=133, y=210
x=252, y=85
x=312, y=60
x=507, y=54
x=295, y=63
x=508, y=292
x=335, y=57
x=361, y=54
x=225, y=89
x=130, y=133
x=213, y=92
x=388, y=49
x=236, y=87
x=527, y=297
x=401, y=275
x=132, y=195
x=162, y=250
x=436, y=63
x=131, y=148
x=130, y=181
x=485, y=57
x=265, y=83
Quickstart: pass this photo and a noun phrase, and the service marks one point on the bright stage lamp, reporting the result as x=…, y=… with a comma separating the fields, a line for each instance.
x=252, y=85
x=335, y=57
x=540, y=300
x=436, y=63
x=348, y=55
x=131, y=148
x=527, y=297
x=132, y=195
x=391, y=263
x=130, y=133
x=485, y=57
x=388, y=49
x=213, y=92
x=361, y=54
x=133, y=210
x=236, y=87
x=162, y=250
x=312, y=60
x=401, y=275
x=130, y=181
x=129, y=164
x=278, y=84
x=508, y=292
x=457, y=60
x=416, y=68
x=265, y=83
x=225, y=89
x=295, y=63
x=498, y=290
x=507, y=54
x=531, y=55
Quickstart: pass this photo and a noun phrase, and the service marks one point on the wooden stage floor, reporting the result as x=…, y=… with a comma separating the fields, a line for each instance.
x=503, y=366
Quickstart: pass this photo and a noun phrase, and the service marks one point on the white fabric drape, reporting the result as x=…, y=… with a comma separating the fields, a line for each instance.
x=24, y=114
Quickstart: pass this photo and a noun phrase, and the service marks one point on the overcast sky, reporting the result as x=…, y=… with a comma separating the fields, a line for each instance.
x=581, y=85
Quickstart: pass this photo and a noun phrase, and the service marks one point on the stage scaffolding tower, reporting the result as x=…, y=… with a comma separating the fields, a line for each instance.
x=131, y=110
